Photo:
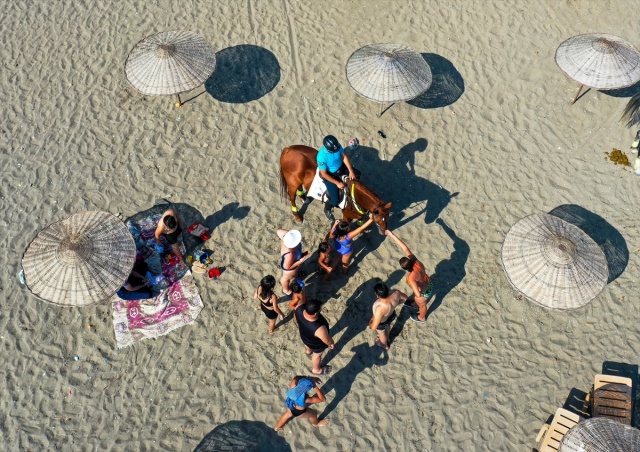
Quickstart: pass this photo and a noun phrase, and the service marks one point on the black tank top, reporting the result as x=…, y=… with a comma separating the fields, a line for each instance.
x=308, y=328
x=173, y=237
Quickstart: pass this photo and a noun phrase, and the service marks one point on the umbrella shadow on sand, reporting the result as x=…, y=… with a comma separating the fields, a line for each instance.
x=629, y=91
x=246, y=436
x=447, y=85
x=610, y=241
x=365, y=356
x=396, y=181
x=244, y=73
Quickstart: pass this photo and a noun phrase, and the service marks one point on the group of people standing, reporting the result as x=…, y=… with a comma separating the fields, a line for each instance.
x=335, y=251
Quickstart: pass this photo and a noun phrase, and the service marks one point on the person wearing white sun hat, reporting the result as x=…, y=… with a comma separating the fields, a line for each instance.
x=291, y=256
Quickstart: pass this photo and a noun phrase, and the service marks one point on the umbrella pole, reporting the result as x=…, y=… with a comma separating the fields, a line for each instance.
x=179, y=103
x=381, y=111
x=577, y=94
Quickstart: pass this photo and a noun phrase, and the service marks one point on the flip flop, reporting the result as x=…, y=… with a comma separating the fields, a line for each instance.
x=324, y=371
x=416, y=319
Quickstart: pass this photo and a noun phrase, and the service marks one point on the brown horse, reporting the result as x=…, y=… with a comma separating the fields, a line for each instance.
x=298, y=168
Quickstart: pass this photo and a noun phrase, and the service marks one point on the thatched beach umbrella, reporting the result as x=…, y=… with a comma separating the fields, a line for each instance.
x=553, y=263
x=79, y=261
x=170, y=62
x=388, y=73
x=601, y=435
x=599, y=61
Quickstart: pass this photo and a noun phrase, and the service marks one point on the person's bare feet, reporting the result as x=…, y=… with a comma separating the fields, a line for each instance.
x=322, y=423
x=381, y=345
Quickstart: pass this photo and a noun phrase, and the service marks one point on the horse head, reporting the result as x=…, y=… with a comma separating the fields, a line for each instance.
x=380, y=215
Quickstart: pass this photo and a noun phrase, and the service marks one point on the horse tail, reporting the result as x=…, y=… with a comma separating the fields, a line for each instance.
x=283, y=182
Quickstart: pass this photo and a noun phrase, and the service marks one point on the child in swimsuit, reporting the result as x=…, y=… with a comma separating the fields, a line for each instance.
x=326, y=259
x=343, y=239
x=298, y=297
x=268, y=301
x=298, y=401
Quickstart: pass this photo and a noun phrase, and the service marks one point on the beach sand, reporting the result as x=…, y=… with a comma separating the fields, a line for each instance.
x=498, y=140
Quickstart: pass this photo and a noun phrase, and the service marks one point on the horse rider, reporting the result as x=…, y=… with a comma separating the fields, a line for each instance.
x=333, y=163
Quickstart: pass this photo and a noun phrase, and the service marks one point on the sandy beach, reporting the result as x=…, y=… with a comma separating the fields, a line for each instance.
x=495, y=140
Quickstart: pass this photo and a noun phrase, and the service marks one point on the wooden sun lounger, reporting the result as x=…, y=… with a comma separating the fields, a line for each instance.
x=563, y=420
x=612, y=398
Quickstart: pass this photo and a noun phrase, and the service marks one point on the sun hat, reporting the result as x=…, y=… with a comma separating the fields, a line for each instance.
x=292, y=238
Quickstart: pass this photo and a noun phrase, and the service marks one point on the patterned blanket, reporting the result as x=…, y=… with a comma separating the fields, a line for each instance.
x=176, y=306
x=178, y=303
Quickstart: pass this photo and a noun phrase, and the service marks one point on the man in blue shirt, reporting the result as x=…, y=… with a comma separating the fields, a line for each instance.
x=332, y=164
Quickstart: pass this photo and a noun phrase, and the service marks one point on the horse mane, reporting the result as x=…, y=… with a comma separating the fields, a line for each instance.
x=366, y=191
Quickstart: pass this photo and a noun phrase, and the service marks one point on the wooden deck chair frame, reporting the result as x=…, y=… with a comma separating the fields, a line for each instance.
x=614, y=411
x=601, y=379
x=563, y=420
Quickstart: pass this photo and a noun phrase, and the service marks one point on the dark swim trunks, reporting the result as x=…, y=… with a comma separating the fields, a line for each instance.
x=387, y=323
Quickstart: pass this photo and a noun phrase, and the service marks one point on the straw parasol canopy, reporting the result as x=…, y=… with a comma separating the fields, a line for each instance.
x=553, y=263
x=601, y=435
x=170, y=62
x=79, y=261
x=599, y=61
x=388, y=72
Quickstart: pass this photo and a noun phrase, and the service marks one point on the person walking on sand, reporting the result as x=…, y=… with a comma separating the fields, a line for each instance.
x=343, y=239
x=417, y=279
x=298, y=401
x=291, y=256
x=268, y=301
x=314, y=332
x=384, y=312
x=298, y=296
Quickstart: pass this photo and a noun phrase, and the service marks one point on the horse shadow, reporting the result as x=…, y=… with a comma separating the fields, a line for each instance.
x=250, y=436
x=365, y=356
x=610, y=241
x=355, y=318
x=244, y=73
x=447, y=85
x=413, y=189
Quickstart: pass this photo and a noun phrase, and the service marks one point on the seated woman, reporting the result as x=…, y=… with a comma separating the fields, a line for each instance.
x=137, y=285
x=170, y=230
x=343, y=239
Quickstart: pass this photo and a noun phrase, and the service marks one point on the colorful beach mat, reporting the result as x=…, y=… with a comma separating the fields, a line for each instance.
x=179, y=301
x=177, y=306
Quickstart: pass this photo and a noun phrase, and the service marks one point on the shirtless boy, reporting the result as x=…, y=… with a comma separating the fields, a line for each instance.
x=384, y=312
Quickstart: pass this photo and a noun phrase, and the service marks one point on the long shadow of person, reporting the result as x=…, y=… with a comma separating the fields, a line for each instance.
x=449, y=272
x=365, y=356
x=231, y=210
x=447, y=275
x=381, y=174
x=355, y=318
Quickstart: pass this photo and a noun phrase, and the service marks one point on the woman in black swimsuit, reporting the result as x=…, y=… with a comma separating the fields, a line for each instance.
x=169, y=230
x=298, y=402
x=268, y=301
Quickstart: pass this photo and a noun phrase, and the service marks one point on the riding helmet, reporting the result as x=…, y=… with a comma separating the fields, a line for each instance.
x=331, y=143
